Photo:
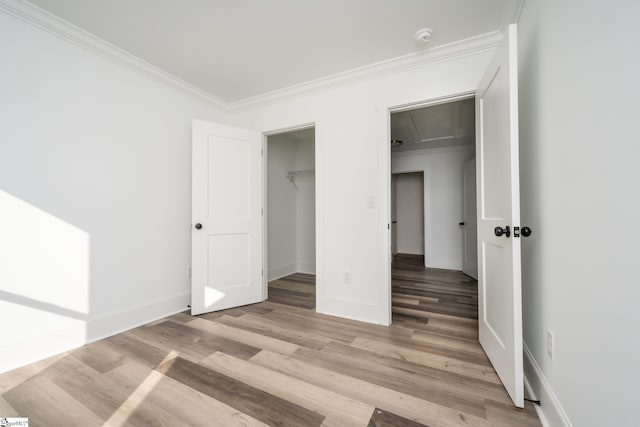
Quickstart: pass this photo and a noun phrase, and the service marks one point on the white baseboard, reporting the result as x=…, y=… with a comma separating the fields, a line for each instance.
x=78, y=333
x=408, y=251
x=285, y=270
x=456, y=266
x=550, y=411
x=306, y=267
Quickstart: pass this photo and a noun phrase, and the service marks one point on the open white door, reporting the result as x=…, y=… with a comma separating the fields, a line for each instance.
x=394, y=216
x=226, y=237
x=499, y=293
x=469, y=220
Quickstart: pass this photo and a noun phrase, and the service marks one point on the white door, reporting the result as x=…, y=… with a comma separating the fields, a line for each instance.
x=226, y=234
x=469, y=226
x=394, y=217
x=500, y=304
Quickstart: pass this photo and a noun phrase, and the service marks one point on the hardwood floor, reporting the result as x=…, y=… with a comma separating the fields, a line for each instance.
x=298, y=290
x=441, y=302
x=280, y=363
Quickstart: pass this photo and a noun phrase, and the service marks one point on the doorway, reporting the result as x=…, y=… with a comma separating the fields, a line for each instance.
x=407, y=213
x=290, y=230
x=433, y=152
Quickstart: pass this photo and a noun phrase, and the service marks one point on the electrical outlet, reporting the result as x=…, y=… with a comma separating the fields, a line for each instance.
x=347, y=277
x=551, y=345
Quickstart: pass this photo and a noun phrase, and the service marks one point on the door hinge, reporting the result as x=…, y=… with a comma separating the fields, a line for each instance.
x=516, y=231
x=262, y=151
x=261, y=211
x=262, y=272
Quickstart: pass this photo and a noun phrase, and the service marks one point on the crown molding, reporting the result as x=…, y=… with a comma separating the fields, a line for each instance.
x=448, y=52
x=58, y=27
x=518, y=13
x=40, y=18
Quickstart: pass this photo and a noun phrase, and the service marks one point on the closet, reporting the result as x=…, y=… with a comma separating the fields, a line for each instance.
x=290, y=189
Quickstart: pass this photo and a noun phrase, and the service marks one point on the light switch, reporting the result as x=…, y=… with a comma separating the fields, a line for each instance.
x=371, y=202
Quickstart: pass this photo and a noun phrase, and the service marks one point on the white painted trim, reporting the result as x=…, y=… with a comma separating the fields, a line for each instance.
x=410, y=153
x=408, y=252
x=518, y=14
x=351, y=316
x=447, y=52
x=384, y=189
x=288, y=129
x=282, y=271
x=319, y=184
x=306, y=267
x=352, y=300
x=58, y=27
x=49, y=343
x=265, y=219
x=550, y=411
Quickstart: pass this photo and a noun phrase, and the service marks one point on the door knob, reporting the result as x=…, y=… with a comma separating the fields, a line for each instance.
x=198, y=226
x=461, y=223
x=525, y=231
x=499, y=231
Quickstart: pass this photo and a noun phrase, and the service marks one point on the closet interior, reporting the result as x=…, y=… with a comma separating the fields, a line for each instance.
x=291, y=229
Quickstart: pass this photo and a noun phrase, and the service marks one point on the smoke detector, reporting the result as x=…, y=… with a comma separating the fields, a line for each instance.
x=423, y=35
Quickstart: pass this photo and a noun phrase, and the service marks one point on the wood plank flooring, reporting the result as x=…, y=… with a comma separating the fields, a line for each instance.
x=280, y=363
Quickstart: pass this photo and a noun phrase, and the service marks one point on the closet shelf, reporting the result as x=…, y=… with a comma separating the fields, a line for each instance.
x=292, y=175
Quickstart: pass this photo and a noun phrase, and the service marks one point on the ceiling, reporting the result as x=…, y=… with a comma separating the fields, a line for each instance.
x=238, y=49
x=437, y=126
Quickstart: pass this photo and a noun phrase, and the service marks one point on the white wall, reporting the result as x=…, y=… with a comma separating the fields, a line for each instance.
x=281, y=207
x=410, y=213
x=352, y=174
x=443, y=195
x=290, y=211
x=95, y=195
x=306, y=208
x=579, y=155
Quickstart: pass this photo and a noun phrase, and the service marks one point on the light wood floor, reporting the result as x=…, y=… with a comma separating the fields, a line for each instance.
x=280, y=363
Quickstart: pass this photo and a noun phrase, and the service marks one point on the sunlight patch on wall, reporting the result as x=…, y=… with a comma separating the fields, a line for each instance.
x=44, y=272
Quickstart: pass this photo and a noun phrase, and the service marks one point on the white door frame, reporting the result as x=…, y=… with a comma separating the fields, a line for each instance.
x=386, y=149
x=265, y=249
